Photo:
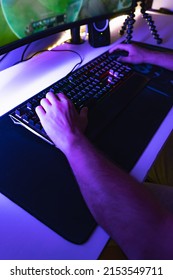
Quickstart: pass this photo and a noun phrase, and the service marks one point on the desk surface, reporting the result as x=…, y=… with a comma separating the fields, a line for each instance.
x=22, y=236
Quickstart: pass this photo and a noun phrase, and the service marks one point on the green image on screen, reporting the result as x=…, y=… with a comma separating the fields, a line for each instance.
x=19, y=18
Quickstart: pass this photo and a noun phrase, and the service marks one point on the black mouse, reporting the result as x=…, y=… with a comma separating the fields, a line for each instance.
x=117, y=53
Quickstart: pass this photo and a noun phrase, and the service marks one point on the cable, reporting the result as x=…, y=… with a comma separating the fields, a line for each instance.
x=36, y=53
x=27, y=46
x=78, y=54
x=22, y=58
x=3, y=57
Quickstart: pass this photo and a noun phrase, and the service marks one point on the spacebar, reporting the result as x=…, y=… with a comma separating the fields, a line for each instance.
x=105, y=111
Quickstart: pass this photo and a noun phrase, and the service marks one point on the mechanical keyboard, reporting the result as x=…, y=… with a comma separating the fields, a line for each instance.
x=104, y=85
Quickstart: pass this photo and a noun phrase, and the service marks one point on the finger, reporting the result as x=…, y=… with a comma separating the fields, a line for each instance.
x=40, y=111
x=51, y=97
x=120, y=47
x=45, y=103
x=124, y=47
x=125, y=59
x=62, y=96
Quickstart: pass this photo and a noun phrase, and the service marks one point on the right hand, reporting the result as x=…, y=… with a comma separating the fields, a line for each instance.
x=136, y=54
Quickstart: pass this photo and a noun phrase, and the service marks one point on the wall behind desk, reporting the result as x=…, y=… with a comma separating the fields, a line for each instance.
x=157, y=4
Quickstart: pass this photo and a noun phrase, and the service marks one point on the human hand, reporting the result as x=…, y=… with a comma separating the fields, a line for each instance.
x=60, y=119
x=136, y=54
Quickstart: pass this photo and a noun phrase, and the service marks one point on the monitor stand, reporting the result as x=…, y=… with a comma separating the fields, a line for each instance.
x=75, y=36
x=130, y=20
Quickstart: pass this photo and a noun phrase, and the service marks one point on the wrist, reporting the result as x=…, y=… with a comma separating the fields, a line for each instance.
x=72, y=142
x=154, y=57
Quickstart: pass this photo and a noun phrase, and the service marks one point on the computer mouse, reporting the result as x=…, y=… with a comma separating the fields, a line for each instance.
x=119, y=52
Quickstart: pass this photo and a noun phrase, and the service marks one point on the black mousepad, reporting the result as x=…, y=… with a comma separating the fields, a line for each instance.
x=125, y=139
x=37, y=177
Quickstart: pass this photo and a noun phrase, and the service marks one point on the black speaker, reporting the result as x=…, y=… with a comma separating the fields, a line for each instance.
x=99, y=33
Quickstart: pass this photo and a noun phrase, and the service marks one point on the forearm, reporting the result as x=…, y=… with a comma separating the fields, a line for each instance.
x=164, y=60
x=121, y=205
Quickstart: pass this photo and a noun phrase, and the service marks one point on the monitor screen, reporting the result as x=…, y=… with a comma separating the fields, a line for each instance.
x=22, y=22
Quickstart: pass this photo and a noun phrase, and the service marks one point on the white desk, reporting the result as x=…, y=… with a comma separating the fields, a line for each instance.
x=21, y=235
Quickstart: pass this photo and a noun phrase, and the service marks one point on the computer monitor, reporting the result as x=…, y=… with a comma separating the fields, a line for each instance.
x=22, y=22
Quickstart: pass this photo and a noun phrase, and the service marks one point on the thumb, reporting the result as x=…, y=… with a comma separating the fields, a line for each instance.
x=83, y=118
x=84, y=112
x=124, y=59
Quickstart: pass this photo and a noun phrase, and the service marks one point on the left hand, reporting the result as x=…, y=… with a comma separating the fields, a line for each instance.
x=60, y=119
